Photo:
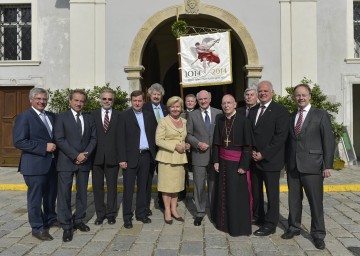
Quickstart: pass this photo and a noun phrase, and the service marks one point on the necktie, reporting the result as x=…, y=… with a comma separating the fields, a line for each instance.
x=261, y=112
x=106, y=120
x=299, y=123
x=247, y=111
x=157, y=113
x=207, y=121
x=78, y=123
x=43, y=118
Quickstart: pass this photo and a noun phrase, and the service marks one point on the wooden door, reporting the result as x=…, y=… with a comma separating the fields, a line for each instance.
x=13, y=100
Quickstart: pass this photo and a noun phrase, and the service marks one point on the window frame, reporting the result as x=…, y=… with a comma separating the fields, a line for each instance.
x=34, y=61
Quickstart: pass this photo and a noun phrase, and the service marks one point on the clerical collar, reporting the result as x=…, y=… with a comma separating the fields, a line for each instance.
x=229, y=117
x=190, y=110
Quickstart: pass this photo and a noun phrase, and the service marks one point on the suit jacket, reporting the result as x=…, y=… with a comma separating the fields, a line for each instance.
x=71, y=143
x=31, y=136
x=130, y=136
x=167, y=136
x=148, y=107
x=109, y=142
x=196, y=132
x=270, y=135
x=313, y=150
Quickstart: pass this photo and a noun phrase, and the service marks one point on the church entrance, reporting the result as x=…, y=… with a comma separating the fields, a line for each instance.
x=160, y=60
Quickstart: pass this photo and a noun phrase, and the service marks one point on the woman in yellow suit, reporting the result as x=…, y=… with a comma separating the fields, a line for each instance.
x=171, y=157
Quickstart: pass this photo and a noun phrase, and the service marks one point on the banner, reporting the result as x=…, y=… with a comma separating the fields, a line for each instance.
x=206, y=59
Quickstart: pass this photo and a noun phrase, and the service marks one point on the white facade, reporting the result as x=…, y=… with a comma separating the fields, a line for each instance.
x=82, y=43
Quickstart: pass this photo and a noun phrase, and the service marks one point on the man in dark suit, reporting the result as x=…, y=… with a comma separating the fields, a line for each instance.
x=250, y=98
x=159, y=110
x=309, y=159
x=270, y=124
x=33, y=135
x=137, y=153
x=75, y=135
x=107, y=158
x=200, y=129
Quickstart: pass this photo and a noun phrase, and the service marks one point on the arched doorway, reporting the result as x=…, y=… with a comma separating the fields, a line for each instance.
x=153, y=57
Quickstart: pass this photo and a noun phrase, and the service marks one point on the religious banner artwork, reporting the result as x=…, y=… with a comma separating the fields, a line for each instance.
x=206, y=59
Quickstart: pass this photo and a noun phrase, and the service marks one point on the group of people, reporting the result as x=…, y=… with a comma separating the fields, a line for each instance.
x=232, y=152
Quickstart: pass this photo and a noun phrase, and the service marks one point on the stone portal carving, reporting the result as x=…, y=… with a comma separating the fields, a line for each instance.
x=192, y=6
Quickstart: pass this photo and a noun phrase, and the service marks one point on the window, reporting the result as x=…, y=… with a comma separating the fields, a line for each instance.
x=357, y=29
x=15, y=32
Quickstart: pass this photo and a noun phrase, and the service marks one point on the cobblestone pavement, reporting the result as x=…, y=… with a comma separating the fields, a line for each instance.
x=342, y=217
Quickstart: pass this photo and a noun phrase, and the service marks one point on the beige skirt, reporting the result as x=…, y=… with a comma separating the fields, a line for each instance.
x=171, y=177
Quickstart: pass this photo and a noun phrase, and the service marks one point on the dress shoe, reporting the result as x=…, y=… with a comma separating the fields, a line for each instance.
x=168, y=221
x=99, y=222
x=43, y=235
x=144, y=220
x=197, y=221
x=148, y=212
x=181, y=219
x=290, y=234
x=111, y=220
x=319, y=244
x=128, y=224
x=264, y=231
x=68, y=235
x=82, y=227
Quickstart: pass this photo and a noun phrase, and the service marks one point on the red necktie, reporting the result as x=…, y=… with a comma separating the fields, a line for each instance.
x=299, y=123
x=106, y=120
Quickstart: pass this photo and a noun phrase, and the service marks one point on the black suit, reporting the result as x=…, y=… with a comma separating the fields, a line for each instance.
x=71, y=143
x=270, y=133
x=138, y=164
x=37, y=166
x=153, y=167
x=306, y=157
x=106, y=163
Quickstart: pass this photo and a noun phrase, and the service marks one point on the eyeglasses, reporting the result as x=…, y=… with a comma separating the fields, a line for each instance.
x=109, y=99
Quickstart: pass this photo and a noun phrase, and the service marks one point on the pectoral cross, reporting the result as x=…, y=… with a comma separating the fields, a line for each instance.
x=227, y=141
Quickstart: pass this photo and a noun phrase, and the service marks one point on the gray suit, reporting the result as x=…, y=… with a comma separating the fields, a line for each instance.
x=306, y=157
x=202, y=169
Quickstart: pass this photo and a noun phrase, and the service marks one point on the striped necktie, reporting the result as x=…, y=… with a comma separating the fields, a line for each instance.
x=106, y=120
x=299, y=123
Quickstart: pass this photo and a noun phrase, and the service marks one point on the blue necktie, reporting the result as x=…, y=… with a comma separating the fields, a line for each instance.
x=207, y=121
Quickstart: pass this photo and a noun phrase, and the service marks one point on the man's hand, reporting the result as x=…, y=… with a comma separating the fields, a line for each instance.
x=123, y=165
x=50, y=147
x=81, y=158
x=326, y=173
x=241, y=171
x=216, y=167
x=203, y=146
x=257, y=156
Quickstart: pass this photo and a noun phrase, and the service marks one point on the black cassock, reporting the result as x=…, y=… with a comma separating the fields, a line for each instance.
x=232, y=138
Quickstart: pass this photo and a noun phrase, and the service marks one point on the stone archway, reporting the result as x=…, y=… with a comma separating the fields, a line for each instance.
x=135, y=69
